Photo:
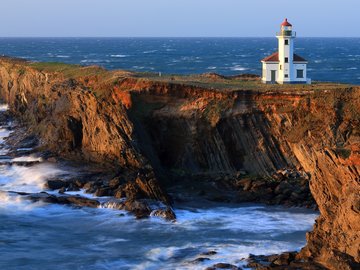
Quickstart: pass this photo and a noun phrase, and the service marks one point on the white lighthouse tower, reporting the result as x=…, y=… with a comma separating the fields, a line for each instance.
x=284, y=66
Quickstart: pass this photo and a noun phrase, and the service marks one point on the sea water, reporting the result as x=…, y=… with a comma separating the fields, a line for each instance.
x=330, y=59
x=36, y=235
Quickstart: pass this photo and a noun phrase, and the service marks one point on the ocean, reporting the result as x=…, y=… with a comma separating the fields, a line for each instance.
x=330, y=59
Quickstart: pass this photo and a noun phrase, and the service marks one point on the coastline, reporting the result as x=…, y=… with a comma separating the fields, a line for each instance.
x=71, y=103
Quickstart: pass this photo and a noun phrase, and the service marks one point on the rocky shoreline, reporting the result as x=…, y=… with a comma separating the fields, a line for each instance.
x=286, y=187
x=90, y=178
x=155, y=137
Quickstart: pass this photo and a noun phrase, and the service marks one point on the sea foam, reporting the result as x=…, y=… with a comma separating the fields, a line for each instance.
x=27, y=179
x=4, y=107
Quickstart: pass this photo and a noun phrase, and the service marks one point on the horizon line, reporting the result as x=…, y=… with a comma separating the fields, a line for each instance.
x=179, y=37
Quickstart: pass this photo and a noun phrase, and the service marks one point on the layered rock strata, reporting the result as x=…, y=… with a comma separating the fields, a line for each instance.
x=150, y=129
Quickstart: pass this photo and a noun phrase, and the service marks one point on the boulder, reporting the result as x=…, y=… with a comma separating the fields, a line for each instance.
x=223, y=266
x=102, y=192
x=199, y=260
x=139, y=208
x=73, y=187
x=245, y=183
x=56, y=184
x=167, y=214
x=209, y=253
x=114, y=183
x=119, y=193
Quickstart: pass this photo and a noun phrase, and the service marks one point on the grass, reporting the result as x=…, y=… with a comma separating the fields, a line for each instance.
x=234, y=83
x=202, y=81
x=68, y=70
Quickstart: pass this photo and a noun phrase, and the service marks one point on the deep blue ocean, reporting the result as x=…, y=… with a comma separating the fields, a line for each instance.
x=330, y=59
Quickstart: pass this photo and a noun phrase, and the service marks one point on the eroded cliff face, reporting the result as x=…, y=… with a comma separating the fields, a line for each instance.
x=312, y=131
x=73, y=123
x=191, y=132
x=321, y=132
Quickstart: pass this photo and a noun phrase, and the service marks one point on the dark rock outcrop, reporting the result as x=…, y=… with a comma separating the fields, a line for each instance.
x=285, y=261
x=223, y=266
x=66, y=200
x=167, y=214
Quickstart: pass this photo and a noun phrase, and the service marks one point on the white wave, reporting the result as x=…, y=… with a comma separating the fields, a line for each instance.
x=91, y=61
x=253, y=229
x=24, y=149
x=138, y=67
x=246, y=218
x=81, y=192
x=3, y=152
x=238, y=68
x=352, y=68
x=27, y=179
x=62, y=56
x=211, y=68
x=163, y=257
x=27, y=159
x=4, y=132
x=16, y=203
x=27, y=57
x=119, y=55
x=150, y=51
x=188, y=58
x=4, y=107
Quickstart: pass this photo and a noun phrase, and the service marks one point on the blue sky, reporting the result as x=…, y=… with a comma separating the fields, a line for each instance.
x=178, y=18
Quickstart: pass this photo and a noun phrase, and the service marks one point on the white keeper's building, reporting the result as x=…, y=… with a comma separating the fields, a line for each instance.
x=285, y=66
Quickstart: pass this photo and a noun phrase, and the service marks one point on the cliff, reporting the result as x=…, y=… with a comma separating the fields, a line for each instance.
x=206, y=133
x=73, y=123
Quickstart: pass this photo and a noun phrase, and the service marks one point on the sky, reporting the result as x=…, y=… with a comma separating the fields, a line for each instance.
x=177, y=18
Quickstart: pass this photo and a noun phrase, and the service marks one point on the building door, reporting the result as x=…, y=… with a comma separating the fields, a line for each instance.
x=273, y=76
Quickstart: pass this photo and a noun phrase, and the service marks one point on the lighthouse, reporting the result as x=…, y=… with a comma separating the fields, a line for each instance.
x=284, y=66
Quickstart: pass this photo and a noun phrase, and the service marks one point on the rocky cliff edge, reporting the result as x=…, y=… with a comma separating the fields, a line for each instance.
x=235, y=133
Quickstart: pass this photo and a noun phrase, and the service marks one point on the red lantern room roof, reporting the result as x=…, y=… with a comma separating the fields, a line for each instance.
x=286, y=23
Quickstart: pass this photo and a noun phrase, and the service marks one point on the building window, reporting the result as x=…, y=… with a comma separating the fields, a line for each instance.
x=280, y=67
x=299, y=73
x=286, y=75
x=286, y=42
x=286, y=60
